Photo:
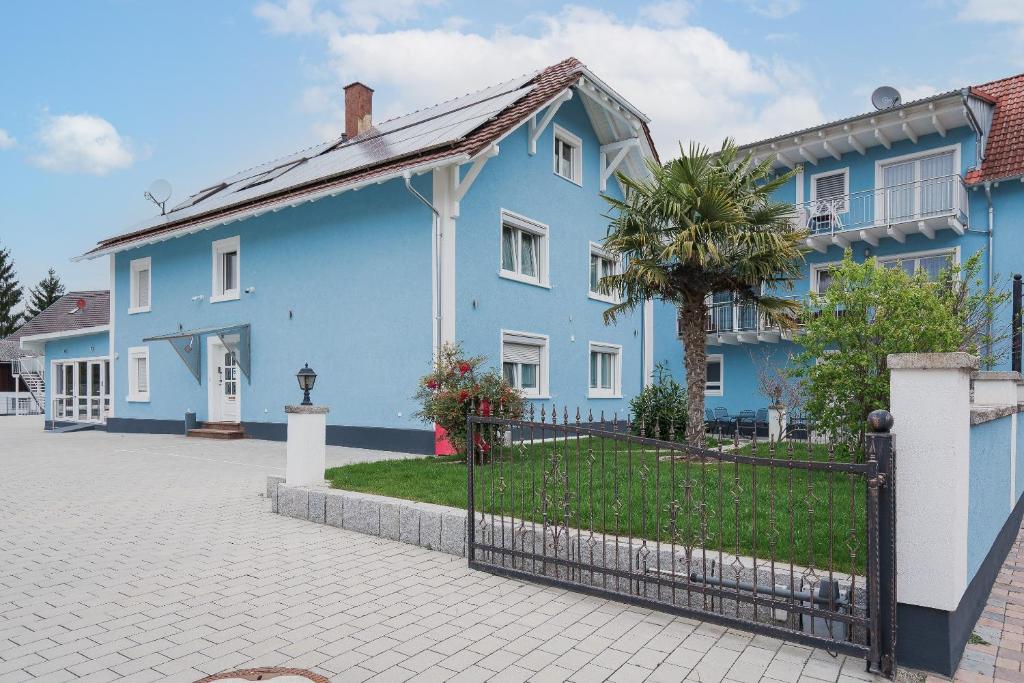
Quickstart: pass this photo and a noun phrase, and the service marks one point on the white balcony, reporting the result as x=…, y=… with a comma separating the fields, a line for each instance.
x=895, y=211
x=733, y=322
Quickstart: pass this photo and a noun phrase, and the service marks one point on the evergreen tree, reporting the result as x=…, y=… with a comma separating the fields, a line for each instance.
x=43, y=295
x=10, y=295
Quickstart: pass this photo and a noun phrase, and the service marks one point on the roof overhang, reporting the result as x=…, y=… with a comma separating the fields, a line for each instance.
x=250, y=210
x=36, y=342
x=937, y=114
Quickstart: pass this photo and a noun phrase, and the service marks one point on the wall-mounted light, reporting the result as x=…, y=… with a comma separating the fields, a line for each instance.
x=198, y=297
x=250, y=290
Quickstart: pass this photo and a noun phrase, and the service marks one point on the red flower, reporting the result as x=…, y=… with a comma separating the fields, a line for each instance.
x=485, y=408
x=482, y=444
x=464, y=368
x=432, y=384
x=463, y=396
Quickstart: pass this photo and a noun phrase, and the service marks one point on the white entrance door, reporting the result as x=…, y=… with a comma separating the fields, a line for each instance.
x=224, y=400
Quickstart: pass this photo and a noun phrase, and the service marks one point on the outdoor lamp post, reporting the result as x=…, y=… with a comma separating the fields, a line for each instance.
x=307, y=378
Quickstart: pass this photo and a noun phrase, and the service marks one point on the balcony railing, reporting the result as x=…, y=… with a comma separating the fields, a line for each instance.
x=735, y=321
x=914, y=202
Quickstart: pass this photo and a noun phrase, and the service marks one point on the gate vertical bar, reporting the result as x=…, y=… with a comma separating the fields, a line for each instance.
x=471, y=503
x=882, y=532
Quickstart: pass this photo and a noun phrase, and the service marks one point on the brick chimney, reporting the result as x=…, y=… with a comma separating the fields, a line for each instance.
x=358, y=108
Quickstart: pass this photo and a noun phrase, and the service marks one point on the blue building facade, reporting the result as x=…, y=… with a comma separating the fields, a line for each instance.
x=363, y=255
x=916, y=186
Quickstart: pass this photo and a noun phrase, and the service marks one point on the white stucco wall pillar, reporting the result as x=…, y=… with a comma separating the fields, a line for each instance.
x=931, y=407
x=307, y=445
x=776, y=422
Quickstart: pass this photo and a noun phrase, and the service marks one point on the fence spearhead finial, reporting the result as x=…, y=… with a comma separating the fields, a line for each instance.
x=880, y=421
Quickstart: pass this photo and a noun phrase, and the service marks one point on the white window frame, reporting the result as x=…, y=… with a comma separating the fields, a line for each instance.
x=812, y=286
x=845, y=171
x=950, y=251
x=577, y=157
x=540, y=236
x=219, y=248
x=134, y=395
x=597, y=250
x=616, y=389
x=720, y=391
x=530, y=339
x=880, y=165
x=135, y=267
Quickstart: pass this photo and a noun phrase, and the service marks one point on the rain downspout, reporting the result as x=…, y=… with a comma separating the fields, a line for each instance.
x=436, y=226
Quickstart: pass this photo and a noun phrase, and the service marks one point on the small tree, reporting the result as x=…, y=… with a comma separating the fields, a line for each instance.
x=44, y=295
x=10, y=295
x=456, y=385
x=660, y=408
x=868, y=312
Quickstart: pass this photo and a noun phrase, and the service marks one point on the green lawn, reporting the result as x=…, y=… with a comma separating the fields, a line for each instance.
x=738, y=508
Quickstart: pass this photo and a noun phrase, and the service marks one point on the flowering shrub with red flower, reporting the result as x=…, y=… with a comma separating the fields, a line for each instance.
x=455, y=385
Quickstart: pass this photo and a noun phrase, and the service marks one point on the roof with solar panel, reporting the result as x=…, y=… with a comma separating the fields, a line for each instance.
x=458, y=129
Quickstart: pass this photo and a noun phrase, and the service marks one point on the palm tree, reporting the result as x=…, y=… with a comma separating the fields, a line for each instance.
x=704, y=223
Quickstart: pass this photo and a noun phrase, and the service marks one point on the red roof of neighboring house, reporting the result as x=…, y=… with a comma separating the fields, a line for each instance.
x=1004, y=154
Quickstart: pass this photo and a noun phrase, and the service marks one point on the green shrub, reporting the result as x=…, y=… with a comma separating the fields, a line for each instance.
x=661, y=407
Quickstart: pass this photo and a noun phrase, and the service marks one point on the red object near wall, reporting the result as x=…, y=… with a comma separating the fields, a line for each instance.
x=441, y=444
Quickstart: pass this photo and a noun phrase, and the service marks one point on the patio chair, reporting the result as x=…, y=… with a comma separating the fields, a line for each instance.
x=747, y=423
x=724, y=422
x=797, y=427
x=761, y=422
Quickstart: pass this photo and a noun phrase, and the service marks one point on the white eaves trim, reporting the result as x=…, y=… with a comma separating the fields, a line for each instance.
x=36, y=342
x=284, y=202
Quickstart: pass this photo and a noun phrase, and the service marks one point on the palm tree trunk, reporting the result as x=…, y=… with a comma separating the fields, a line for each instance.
x=695, y=357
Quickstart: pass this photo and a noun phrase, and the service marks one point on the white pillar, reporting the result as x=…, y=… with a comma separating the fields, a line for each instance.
x=931, y=408
x=307, y=445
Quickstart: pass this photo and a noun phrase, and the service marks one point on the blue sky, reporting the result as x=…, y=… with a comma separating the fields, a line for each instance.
x=98, y=99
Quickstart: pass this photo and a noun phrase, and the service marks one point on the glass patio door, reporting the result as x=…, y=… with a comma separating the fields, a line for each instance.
x=936, y=184
x=919, y=187
x=898, y=180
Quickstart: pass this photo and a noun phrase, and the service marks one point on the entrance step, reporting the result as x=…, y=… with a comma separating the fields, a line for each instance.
x=218, y=430
x=64, y=428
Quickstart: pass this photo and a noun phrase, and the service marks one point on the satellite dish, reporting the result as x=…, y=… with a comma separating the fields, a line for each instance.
x=885, y=97
x=159, y=192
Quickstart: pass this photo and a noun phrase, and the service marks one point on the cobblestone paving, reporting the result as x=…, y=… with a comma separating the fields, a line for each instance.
x=998, y=653
x=156, y=558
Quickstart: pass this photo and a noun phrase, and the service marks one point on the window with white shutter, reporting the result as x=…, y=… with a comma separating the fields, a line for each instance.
x=138, y=373
x=139, y=286
x=524, y=359
x=830, y=190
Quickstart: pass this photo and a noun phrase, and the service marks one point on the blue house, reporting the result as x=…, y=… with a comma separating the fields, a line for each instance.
x=478, y=220
x=915, y=185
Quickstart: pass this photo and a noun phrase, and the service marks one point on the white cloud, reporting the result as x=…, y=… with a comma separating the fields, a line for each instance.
x=667, y=13
x=6, y=140
x=1007, y=15
x=773, y=9
x=302, y=16
x=81, y=143
x=689, y=80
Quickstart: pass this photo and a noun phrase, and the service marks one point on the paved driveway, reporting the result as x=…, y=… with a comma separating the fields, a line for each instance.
x=157, y=558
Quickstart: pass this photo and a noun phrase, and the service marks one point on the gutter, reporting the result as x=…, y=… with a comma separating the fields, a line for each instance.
x=991, y=255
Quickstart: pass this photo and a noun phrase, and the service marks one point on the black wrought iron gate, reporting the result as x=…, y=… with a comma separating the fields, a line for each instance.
x=793, y=539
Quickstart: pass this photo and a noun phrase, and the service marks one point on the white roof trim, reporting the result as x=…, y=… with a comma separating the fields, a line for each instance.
x=63, y=334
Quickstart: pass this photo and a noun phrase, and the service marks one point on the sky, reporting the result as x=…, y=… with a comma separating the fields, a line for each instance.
x=99, y=98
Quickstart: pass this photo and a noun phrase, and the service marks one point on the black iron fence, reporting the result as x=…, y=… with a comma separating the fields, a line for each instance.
x=781, y=538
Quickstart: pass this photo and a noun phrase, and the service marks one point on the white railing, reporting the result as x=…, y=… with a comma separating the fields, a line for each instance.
x=29, y=364
x=891, y=205
x=734, y=315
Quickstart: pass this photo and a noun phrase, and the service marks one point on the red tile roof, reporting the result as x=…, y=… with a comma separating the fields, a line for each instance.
x=546, y=85
x=1004, y=153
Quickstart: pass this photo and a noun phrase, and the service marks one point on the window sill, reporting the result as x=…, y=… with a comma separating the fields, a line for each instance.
x=602, y=298
x=709, y=392
x=142, y=309
x=217, y=298
x=138, y=399
x=508, y=275
x=577, y=183
x=601, y=394
x=536, y=397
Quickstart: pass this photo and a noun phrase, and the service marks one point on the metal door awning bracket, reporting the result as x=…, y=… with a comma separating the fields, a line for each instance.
x=186, y=344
